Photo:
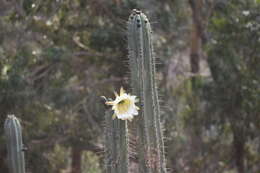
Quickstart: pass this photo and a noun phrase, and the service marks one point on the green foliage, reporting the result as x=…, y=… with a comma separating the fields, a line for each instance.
x=233, y=58
x=92, y=163
x=58, y=158
x=234, y=65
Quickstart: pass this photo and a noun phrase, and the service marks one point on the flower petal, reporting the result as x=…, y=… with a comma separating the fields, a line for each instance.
x=135, y=112
x=122, y=91
x=109, y=103
x=116, y=94
x=113, y=116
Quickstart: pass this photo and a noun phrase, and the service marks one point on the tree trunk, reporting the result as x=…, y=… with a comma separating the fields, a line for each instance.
x=239, y=152
x=196, y=31
x=195, y=52
x=76, y=160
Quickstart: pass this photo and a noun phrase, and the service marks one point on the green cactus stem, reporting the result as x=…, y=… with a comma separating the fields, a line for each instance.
x=142, y=66
x=116, y=145
x=13, y=133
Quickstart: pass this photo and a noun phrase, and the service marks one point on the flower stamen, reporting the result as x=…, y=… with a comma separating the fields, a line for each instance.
x=123, y=106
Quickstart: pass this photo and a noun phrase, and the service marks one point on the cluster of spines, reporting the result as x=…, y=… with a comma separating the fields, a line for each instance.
x=15, y=149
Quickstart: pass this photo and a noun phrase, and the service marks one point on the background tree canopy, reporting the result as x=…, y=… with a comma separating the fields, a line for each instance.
x=58, y=57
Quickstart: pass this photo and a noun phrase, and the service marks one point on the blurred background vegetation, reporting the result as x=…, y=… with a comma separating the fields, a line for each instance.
x=57, y=57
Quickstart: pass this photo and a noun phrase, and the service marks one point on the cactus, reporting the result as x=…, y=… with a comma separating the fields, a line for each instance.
x=116, y=145
x=149, y=134
x=15, y=151
x=142, y=66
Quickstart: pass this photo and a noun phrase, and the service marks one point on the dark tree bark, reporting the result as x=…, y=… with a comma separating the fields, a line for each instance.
x=76, y=160
x=195, y=53
x=196, y=38
x=3, y=165
x=195, y=50
x=239, y=150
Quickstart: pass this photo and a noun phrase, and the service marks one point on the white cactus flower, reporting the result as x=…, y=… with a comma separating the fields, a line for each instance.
x=124, y=106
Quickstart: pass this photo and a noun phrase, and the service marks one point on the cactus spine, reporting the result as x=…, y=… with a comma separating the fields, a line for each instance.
x=142, y=67
x=13, y=133
x=116, y=145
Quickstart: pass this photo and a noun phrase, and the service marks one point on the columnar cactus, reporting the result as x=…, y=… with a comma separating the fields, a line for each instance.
x=13, y=133
x=142, y=67
x=149, y=134
x=116, y=145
